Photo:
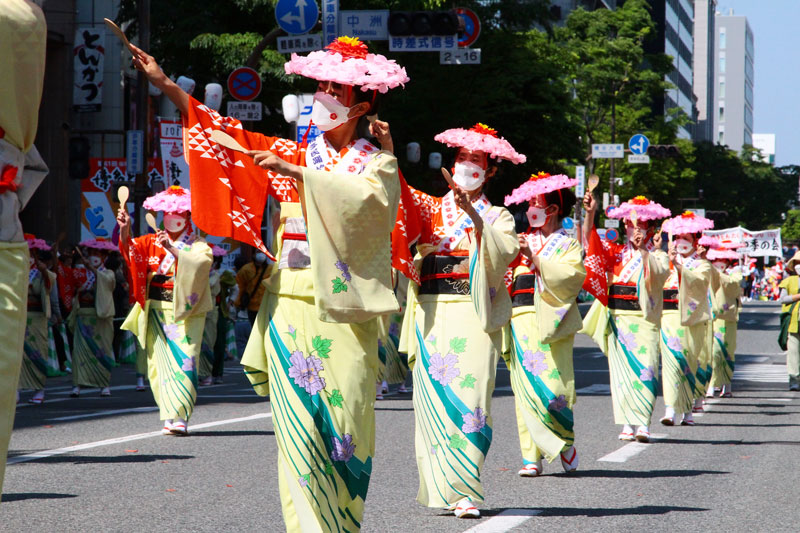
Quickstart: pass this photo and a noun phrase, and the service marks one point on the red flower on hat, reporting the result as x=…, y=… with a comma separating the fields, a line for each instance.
x=640, y=200
x=176, y=190
x=30, y=237
x=483, y=129
x=688, y=214
x=349, y=47
x=540, y=176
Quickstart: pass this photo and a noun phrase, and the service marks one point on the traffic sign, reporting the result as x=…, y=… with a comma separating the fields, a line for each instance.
x=580, y=175
x=366, y=25
x=567, y=223
x=296, y=16
x=633, y=158
x=330, y=21
x=245, y=110
x=608, y=151
x=244, y=84
x=460, y=56
x=300, y=43
x=611, y=223
x=134, y=150
x=638, y=144
x=472, y=27
x=611, y=234
x=431, y=43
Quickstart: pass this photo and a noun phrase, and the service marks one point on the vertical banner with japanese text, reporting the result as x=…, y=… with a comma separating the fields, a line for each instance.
x=88, y=53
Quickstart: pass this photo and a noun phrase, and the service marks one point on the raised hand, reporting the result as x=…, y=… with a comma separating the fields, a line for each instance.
x=269, y=161
x=380, y=130
x=638, y=238
x=589, y=203
x=162, y=238
x=657, y=239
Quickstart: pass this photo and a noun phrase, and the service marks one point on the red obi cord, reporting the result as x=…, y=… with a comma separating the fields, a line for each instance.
x=294, y=237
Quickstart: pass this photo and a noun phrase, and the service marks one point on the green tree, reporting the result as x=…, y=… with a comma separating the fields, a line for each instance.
x=790, y=230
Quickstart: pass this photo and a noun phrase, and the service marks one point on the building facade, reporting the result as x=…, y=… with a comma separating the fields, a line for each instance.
x=735, y=72
x=765, y=142
x=703, y=67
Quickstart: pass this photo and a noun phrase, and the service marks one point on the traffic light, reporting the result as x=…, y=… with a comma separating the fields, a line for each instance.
x=78, y=166
x=662, y=151
x=404, y=23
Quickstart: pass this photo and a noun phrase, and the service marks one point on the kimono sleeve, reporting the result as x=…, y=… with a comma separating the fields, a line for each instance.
x=489, y=258
x=104, y=299
x=561, y=278
x=192, y=294
x=349, y=222
x=693, y=294
x=650, y=287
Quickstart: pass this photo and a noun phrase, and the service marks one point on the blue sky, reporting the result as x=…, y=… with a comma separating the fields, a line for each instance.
x=777, y=84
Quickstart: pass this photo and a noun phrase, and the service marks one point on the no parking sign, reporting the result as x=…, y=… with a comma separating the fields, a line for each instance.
x=244, y=84
x=472, y=27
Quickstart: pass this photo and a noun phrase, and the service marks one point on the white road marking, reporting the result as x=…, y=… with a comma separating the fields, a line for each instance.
x=629, y=450
x=504, y=521
x=597, y=388
x=105, y=413
x=761, y=373
x=118, y=440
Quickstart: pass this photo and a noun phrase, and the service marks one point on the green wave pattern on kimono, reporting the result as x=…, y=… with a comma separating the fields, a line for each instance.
x=323, y=414
x=452, y=438
x=35, y=365
x=173, y=348
x=724, y=350
x=545, y=395
x=679, y=345
x=633, y=366
x=93, y=352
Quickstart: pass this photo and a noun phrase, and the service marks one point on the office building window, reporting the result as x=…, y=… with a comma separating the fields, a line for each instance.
x=722, y=64
x=722, y=39
x=721, y=136
x=722, y=113
x=722, y=89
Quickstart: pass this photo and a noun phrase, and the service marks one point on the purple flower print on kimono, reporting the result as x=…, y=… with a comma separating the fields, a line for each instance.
x=718, y=336
x=534, y=362
x=474, y=421
x=193, y=299
x=344, y=268
x=561, y=313
x=188, y=364
x=305, y=372
x=343, y=449
x=692, y=306
x=674, y=344
x=557, y=404
x=647, y=374
x=443, y=369
x=628, y=340
x=172, y=331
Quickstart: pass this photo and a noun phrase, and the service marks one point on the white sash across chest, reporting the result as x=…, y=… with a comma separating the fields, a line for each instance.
x=455, y=222
x=320, y=155
x=632, y=261
x=184, y=241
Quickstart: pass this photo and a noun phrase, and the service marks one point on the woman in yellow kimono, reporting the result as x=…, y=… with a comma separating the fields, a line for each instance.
x=547, y=277
x=452, y=330
x=686, y=311
x=313, y=346
x=92, y=320
x=789, y=296
x=627, y=330
x=210, y=332
x=36, y=366
x=725, y=291
x=169, y=279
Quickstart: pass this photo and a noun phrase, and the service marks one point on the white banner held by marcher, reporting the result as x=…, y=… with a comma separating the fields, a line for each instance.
x=766, y=243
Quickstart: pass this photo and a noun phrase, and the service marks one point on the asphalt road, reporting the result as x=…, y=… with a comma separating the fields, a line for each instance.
x=101, y=464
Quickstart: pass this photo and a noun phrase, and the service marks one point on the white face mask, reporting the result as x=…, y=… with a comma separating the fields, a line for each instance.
x=719, y=265
x=260, y=257
x=468, y=176
x=174, y=223
x=327, y=112
x=95, y=261
x=797, y=270
x=683, y=246
x=537, y=216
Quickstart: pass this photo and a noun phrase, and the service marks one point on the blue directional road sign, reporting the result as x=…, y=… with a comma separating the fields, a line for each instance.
x=638, y=144
x=296, y=16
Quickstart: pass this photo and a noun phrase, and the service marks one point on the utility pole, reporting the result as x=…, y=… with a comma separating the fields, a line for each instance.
x=613, y=141
x=142, y=115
